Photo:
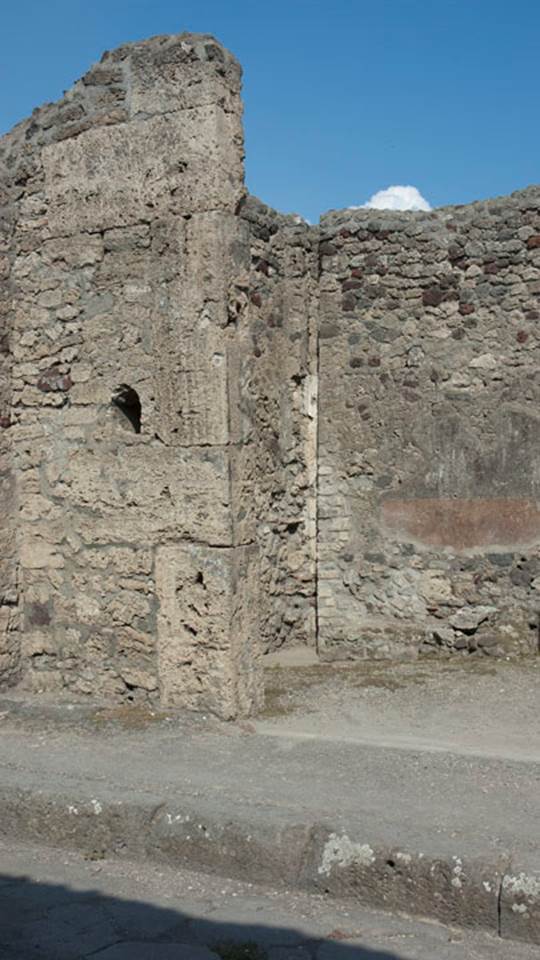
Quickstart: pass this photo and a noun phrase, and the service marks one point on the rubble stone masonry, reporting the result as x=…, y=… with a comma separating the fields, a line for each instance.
x=429, y=443
x=223, y=430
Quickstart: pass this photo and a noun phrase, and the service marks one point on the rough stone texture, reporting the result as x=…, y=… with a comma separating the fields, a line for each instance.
x=429, y=436
x=201, y=624
x=9, y=613
x=223, y=430
x=278, y=380
x=123, y=253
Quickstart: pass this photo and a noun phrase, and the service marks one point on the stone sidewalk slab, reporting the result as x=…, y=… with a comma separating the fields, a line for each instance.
x=152, y=912
x=438, y=834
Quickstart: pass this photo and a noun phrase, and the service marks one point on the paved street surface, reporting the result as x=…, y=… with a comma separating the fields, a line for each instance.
x=414, y=788
x=55, y=905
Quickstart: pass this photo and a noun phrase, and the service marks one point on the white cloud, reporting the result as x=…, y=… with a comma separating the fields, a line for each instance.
x=398, y=198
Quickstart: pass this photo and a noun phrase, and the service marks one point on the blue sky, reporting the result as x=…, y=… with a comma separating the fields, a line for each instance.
x=342, y=97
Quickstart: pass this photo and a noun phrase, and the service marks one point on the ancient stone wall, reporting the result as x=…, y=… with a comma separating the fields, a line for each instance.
x=429, y=430
x=223, y=430
x=10, y=661
x=278, y=400
x=123, y=252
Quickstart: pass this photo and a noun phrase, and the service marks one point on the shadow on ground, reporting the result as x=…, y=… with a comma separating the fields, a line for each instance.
x=40, y=921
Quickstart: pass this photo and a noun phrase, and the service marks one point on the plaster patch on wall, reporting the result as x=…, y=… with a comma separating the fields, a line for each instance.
x=464, y=523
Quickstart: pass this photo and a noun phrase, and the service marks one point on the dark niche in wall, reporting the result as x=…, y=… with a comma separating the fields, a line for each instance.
x=126, y=400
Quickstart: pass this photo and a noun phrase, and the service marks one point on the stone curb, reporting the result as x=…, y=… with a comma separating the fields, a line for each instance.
x=491, y=893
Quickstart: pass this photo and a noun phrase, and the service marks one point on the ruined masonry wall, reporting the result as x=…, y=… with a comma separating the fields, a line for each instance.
x=224, y=431
x=429, y=430
x=278, y=400
x=122, y=251
x=10, y=658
